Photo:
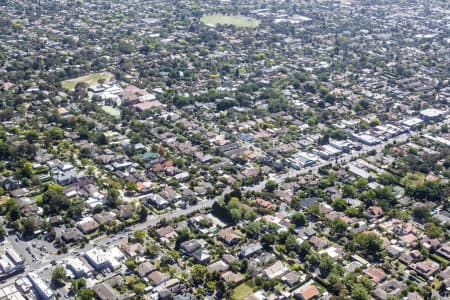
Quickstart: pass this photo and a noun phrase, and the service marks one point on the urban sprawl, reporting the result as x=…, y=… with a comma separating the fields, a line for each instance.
x=224, y=149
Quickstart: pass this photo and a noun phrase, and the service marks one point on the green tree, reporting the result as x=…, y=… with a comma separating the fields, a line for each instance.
x=422, y=213
x=304, y=249
x=85, y=294
x=253, y=229
x=54, y=134
x=27, y=170
x=368, y=243
x=434, y=231
x=298, y=219
x=183, y=235
x=32, y=136
x=152, y=250
x=198, y=273
x=235, y=214
x=131, y=186
x=361, y=183
x=78, y=284
x=291, y=243
x=76, y=208
x=113, y=198
x=353, y=212
x=368, y=197
x=143, y=213
x=270, y=186
x=326, y=265
x=139, y=235
x=385, y=198
x=360, y=293
x=54, y=201
x=2, y=231
x=340, y=204
x=12, y=210
x=386, y=179
x=363, y=125
x=131, y=263
x=268, y=240
x=101, y=139
x=430, y=190
x=338, y=227
x=349, y=191
x=139, y=288
x=28, y=226
x=314, y=210
x=80, y=90
x=374, y=122
x=59, y=276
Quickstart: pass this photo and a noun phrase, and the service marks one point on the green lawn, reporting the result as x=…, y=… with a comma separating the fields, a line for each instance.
x=238, y=21
x=3, y=200
x=112, y=111
x=398, y=190
x=91, y=80
x=241, y=291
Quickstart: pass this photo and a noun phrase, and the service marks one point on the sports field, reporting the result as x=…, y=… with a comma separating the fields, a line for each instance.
x=91, y=80
x=111, y=111
x=238, y=21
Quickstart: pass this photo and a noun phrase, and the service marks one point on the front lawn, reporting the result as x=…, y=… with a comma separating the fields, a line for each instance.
x=241, y=291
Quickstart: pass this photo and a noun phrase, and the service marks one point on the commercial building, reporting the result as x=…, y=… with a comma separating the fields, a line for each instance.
x=432, y=114
x=41, y=287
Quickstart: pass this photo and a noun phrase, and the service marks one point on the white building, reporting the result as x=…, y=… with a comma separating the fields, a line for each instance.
x=78, y=268
x=41, y=287
x=101, y=259
x=432, y=114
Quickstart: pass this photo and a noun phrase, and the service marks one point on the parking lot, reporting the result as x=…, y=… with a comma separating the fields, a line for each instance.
x=33, y=251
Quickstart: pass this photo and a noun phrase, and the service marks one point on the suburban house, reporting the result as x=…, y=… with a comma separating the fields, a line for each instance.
x=228, y=236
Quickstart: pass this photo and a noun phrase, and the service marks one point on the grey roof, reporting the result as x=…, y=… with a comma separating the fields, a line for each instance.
x=158, y=200
x=190, y=246
x=249, y=249
x=185, y=297
x=201, y=255
x=308, y=202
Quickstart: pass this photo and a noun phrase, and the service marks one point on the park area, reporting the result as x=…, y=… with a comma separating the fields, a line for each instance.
x=111, y=111
x=90, y=80
x=238, y=21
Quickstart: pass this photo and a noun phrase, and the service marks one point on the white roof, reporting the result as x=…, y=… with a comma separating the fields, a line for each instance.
x=97, y=256
x=332, y=252
x=77, y=265
x=40, y=285
x=412, y=122
x=432, y=112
